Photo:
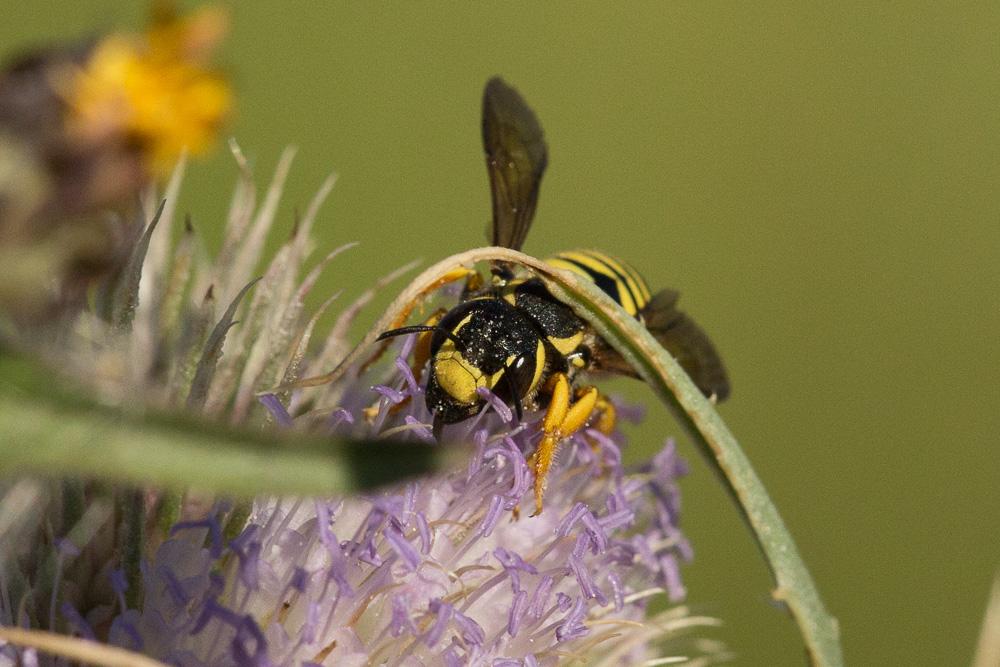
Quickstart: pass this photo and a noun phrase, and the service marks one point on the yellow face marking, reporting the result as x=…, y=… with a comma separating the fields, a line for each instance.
x=460, y=379
x=458, y=327
x=494, y=379
x=457, y=377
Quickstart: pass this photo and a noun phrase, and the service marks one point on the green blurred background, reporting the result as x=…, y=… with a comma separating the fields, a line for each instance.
x=822, y=182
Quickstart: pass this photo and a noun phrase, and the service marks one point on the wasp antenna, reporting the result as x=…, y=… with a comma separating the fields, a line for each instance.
x=402, y=331
x=421, y=328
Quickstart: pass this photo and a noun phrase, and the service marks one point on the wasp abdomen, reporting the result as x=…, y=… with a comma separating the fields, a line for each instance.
x=616, y=278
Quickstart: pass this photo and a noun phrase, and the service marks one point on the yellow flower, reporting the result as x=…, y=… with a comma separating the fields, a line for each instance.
x=156, y=91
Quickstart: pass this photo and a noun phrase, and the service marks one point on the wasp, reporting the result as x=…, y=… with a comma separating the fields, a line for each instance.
x=512, y=337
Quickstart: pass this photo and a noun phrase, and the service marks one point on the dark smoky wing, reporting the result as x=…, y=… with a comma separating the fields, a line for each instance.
x=683, y=338
x=661, y=311
x=687, y=342
x=606, y=360
x=516, y=156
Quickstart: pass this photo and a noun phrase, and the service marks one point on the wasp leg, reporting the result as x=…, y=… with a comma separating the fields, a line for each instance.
x=604, y=420
x=458, y=273
x=422, y=348
x=473, y=284
x=562, y=419
x=606, y=417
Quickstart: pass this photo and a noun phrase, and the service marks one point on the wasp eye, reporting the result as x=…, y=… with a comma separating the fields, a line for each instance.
x=517, y=379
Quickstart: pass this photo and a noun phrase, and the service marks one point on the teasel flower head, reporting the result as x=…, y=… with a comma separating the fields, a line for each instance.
x=435, y=572
x=446, y=569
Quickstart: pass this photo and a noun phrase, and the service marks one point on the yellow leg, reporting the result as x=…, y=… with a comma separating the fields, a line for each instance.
x=422, y=348
x=607, y=416
x=562, y=420
x=604, y=421
x=473, y=282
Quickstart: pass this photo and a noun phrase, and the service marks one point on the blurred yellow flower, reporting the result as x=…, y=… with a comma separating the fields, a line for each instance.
x=156, y=90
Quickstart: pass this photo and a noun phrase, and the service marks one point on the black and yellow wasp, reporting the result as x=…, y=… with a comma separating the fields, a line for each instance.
x=514, y=338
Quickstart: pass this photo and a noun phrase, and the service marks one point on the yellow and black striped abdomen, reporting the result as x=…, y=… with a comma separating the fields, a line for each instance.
x=616, y=278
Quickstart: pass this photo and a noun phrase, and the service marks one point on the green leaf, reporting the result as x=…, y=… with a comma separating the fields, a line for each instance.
x=51, y=433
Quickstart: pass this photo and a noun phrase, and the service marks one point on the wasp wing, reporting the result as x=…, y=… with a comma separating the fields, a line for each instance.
x=515, y=159
x=683, y=338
